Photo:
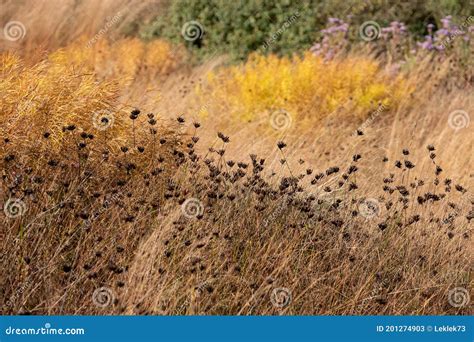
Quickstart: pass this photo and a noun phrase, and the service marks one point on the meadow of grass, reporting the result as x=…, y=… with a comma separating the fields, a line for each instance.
x=136, y=182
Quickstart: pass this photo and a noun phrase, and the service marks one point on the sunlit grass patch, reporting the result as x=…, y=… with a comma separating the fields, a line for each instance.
x=307, y=86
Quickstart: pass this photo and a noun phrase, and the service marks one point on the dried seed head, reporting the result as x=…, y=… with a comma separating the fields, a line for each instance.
x=134, y=114
x=223, y=137
x=281, y=145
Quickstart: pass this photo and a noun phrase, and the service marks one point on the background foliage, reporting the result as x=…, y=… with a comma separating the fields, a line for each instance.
x=240, y=27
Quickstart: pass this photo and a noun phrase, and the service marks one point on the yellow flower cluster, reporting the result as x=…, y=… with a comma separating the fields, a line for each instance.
x=307, y=87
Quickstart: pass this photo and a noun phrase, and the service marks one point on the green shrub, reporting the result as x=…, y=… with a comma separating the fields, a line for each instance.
x=239, y=27
x=284, y=26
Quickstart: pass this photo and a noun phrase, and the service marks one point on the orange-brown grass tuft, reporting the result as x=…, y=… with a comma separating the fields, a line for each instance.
x=124, y=59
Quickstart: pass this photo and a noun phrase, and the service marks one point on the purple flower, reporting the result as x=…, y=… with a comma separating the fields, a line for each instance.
x=446, y=21
x=442, y=32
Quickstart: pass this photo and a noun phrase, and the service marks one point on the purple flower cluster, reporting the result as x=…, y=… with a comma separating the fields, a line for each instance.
x=444, y=36
x=335, y=36
x=395, y=30
x=337, y=25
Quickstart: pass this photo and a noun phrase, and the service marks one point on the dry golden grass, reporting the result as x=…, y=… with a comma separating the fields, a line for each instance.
x=69, y=20
x=126, y=60
x=106, y=225
x=47, y=96
x=98, y=218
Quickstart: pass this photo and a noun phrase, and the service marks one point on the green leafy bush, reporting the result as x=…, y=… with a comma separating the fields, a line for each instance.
x=239, y=27
x=282, y=26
